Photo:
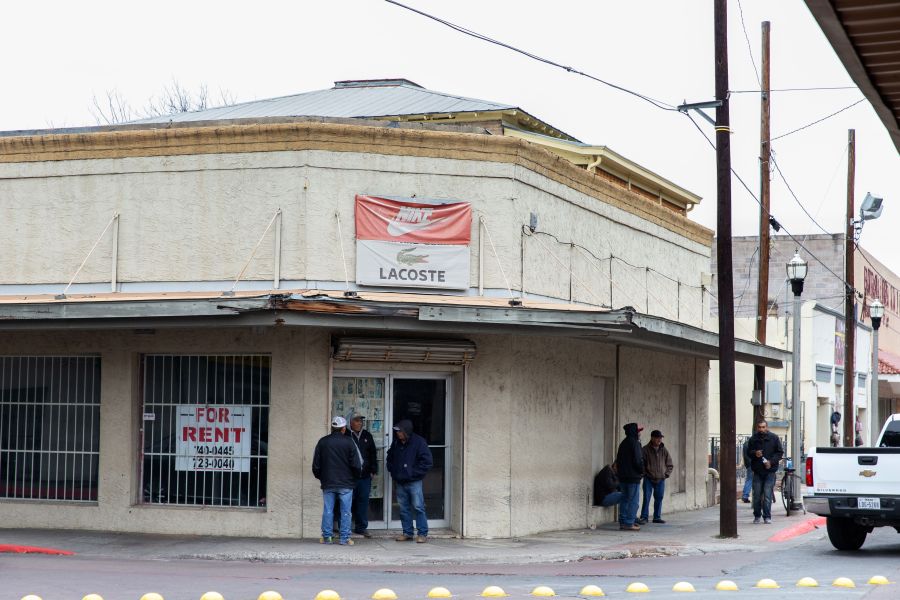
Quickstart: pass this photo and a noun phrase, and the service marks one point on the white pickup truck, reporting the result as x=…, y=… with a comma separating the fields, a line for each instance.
x=856, y=489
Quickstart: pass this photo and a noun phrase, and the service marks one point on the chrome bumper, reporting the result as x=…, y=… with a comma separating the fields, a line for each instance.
x=817, y=506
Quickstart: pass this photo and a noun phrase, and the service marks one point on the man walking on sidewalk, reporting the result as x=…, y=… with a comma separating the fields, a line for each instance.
x=657, y=468
x=336, y=464
x=409, y=460
x=630, y=466
x=765, y=454
x=369, y=455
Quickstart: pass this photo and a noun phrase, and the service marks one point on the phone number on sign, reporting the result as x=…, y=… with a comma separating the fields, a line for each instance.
x=224, y=464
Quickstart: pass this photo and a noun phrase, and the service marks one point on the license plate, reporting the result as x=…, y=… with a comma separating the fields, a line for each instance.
x=869, y=503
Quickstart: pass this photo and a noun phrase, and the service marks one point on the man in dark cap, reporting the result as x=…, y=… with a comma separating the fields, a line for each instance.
x=630, y=465
x=657, y=468
x=408, y=461
x=367, y=451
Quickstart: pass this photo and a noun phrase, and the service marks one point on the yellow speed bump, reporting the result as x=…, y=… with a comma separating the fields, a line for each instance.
x=493, y=591
x=92, y=597
x=807, y=582
x=637, y=588
x=683, y=586
x=384, y=594
x=31, y=597
x=269, y=595
x=328, y=595
x=439, y=592
x=879, y=580
x=591, y=590
x=542, y=591
x=726, y=585
x=768, y=584
x=208, y=596
x=151, y=596
x=844, y=582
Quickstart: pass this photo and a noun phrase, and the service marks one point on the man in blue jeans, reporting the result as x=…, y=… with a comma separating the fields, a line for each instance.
x=630, y=467
x=765, y=453
x=408, y=461
x=337, y=465
x=657, y=468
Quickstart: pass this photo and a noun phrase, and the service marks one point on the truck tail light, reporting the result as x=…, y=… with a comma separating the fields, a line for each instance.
x=809, y=474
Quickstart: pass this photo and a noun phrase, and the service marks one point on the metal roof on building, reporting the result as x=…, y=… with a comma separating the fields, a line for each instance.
x=352, y=99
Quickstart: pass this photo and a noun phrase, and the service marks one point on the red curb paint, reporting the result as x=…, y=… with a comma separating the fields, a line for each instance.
x=798, y=529
x=33, y=550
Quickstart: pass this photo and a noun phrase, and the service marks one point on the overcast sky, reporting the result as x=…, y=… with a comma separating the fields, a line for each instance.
x=57, y=55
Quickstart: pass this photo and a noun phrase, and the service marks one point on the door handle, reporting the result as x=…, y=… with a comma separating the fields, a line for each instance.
x=867, y=460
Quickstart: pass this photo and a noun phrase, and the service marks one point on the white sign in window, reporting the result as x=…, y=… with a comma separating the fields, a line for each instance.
x=213, y=438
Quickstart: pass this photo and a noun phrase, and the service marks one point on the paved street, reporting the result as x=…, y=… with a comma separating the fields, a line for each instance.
x=466, y=567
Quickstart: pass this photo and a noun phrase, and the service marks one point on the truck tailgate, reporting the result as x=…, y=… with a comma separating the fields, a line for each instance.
x=857, y=471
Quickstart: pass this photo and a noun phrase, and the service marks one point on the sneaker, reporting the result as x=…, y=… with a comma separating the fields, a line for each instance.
x=767, y=521
x=347, y=542
x=403, y=538
x=745, y=500
x=364, y=532
x=641, y=521
x=634, y=527
x=756, y=520
x=421, y=539
x=658, y=521
x=325, y=540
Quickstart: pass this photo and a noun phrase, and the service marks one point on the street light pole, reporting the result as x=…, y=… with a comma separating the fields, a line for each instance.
x=796, y=272
x=876, y=311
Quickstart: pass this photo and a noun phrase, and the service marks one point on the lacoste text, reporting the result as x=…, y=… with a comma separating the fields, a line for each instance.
x=412, y=275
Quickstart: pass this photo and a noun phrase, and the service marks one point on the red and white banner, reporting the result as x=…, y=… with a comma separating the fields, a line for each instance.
x=412, y=244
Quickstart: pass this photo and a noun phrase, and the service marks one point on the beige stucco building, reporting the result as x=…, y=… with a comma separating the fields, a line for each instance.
x=216, y=295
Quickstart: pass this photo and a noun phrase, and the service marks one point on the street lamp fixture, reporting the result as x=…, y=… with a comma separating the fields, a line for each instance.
x=876, y=312
x=796, y=272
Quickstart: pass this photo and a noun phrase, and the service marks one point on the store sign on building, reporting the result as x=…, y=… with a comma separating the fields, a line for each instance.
x=412, y=244
x=839, y=342
x=213, y=438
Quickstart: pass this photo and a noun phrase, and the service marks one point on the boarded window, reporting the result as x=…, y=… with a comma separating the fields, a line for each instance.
x=49, y=427
x=205, y=430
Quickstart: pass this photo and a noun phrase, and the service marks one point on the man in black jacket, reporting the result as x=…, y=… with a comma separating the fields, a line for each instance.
x=630, y=466
x=337, y=465
x=365, y=443
x=409, y=460
x=765, y=452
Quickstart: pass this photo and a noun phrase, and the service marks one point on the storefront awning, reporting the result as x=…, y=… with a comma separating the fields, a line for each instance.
x=383, y=312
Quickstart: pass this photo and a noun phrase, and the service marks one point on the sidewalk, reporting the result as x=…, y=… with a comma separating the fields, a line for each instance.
x=686, y=533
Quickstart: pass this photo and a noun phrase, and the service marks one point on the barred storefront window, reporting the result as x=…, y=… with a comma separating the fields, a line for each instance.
x=205, y=429
x=49, y=427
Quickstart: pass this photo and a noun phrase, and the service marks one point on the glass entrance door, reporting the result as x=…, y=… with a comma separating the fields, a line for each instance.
x=384, y=399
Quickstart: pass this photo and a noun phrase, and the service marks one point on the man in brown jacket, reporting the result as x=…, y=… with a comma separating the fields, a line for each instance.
x=657, y=468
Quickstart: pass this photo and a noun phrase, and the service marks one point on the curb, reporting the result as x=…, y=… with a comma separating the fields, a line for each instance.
x=798, y=529
x=16, y=549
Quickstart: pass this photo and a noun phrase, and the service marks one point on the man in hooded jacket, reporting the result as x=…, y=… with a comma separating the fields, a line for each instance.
x=630, y=464
x=408, y=461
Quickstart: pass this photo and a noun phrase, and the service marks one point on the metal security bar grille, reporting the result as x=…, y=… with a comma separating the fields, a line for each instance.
x=49, y=427
x=205, y=430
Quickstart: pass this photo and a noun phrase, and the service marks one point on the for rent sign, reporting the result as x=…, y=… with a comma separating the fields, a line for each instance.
x=213, y=438
x=411, y=244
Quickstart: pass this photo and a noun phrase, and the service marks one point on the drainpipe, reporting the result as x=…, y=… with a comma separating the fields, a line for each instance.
x=592, y=167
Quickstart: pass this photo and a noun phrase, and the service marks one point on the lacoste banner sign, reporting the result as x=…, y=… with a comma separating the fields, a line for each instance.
x=411, y=244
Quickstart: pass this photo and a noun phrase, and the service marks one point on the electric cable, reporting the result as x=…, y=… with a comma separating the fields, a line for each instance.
x=800, y=89
x=749, y=46
x=790, y=189
x=817, y=121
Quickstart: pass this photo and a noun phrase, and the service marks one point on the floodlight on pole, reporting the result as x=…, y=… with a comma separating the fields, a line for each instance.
x=869, y=211
x=796, y=272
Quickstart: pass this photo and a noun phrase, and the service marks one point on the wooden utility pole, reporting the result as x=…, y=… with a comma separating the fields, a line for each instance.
x=762, y=289
x=849, y=312
x=727, y=471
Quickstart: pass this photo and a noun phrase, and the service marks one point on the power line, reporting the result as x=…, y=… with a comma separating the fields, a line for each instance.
x=657, y=103
x=799, y=89
x=747, y=37
x=796, y=199
x=825, y=118
x=769, y=214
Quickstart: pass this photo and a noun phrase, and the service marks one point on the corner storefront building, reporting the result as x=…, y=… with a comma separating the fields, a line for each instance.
x=183, y=307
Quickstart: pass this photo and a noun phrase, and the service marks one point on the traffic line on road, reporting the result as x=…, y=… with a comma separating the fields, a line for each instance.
x=798, y=529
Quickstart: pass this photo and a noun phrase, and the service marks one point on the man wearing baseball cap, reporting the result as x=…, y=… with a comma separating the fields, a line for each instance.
x=657, y=468
x=630, y=464
x=337, y=465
